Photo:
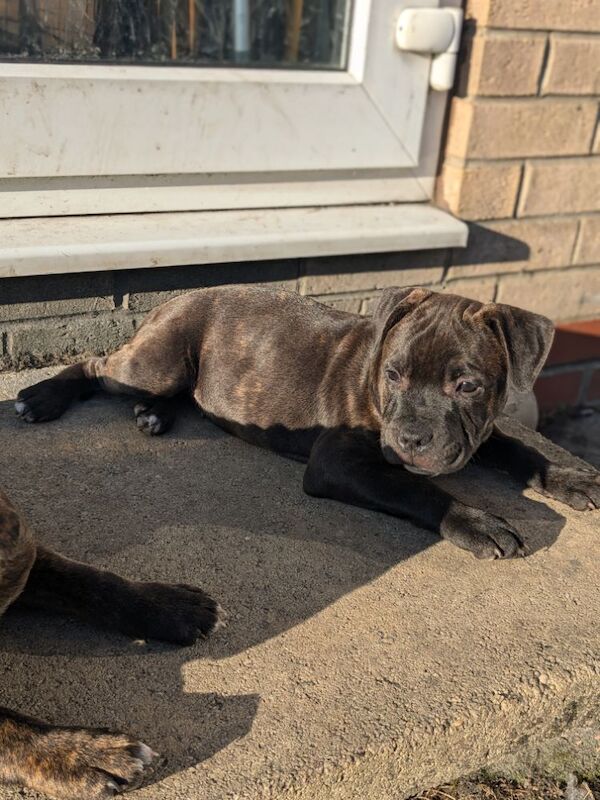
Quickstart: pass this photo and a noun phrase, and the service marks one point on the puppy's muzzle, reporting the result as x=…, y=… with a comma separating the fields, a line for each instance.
x=415, y=438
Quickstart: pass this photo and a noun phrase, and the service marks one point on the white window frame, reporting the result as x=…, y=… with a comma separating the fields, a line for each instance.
x=204, y=140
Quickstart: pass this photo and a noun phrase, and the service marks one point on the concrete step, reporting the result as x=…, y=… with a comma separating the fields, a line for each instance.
x=363, y=658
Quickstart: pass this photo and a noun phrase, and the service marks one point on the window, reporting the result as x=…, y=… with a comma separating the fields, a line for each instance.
x=276, y=33
x=131, y=106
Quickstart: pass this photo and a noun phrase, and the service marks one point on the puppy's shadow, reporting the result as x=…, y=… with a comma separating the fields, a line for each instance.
x=200, y=506
x=195, y=506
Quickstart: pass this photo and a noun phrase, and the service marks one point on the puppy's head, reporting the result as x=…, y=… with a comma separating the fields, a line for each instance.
x=441, y=370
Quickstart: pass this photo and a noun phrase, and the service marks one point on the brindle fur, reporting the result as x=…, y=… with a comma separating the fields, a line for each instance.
x=81, y=763
x=290, y=374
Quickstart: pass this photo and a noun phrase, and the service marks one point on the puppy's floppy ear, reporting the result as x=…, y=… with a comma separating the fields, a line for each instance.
x=394, y=304
x=525, y=337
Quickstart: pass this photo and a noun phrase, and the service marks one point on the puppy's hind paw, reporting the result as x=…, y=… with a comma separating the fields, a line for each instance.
x=22, y=410
x=44, y=401
x=153, y=418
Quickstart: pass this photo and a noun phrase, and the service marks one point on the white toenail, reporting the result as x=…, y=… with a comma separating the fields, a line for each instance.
x=20, y=406
x=146, y=753
x=222, y=618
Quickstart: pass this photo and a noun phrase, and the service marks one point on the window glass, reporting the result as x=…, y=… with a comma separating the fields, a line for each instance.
x=253, y=33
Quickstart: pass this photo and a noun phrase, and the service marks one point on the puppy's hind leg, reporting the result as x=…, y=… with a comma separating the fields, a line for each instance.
x=49, y=399
x=155, y=365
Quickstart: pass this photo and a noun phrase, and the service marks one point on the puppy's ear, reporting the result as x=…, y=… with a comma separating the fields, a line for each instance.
x=525, y=337
x=394, y=304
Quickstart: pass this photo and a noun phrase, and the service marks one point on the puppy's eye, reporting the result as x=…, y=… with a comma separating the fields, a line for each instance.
x=467, y=387
x=392, y=374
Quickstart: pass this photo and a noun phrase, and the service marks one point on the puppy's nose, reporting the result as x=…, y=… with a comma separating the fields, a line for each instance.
x=415, y=437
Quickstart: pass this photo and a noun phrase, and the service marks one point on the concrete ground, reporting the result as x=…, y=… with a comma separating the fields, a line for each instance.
x=363, y=658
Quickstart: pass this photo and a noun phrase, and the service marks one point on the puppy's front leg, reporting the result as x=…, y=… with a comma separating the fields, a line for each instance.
x=349, y=466
x=540, y=464
x=175, y=613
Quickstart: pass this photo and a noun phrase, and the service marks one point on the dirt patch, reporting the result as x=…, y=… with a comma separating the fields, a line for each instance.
x=500, y=789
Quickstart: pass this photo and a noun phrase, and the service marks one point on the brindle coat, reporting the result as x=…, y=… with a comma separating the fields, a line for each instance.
x=374, y=405
x=75, y=763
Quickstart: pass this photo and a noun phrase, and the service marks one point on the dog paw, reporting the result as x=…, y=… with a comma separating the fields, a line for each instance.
x=575, y=486
x=178, y=613
x=43, y=401
x=153, y=418
x=483, y=534
x=72, y=764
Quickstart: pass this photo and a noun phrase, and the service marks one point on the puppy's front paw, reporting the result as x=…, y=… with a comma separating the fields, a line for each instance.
x=483, y=534
x=578, y=487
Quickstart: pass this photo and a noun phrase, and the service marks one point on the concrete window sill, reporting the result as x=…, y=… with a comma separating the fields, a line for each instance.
x=50, y=245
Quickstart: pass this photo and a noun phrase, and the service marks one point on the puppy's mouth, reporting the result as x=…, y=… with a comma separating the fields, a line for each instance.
x=430, y=473
x=458, y=462
x=428, y=467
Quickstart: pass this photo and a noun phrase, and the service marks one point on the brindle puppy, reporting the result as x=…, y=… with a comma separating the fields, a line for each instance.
x=77, y=763
x=375, y=405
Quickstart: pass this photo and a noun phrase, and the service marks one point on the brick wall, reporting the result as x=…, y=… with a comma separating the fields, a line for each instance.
x=522, y=160
x=521, y=163
x=44, y=320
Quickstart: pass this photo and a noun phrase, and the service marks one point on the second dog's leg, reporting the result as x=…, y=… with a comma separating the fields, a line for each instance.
x=175, y=613
x=17, y=553
x=68, y=763
x=65, y=763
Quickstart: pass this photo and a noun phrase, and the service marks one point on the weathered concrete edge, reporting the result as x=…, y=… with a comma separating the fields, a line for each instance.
x=552, y=729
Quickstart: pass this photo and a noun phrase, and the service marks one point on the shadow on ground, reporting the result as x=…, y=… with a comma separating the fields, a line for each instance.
x=195, y=506
x=577, y=430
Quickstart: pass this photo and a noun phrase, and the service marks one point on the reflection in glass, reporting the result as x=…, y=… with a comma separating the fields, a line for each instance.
x=277, y=33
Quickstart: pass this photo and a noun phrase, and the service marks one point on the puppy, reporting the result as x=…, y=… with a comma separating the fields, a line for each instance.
x=78, y=763
x=376, y=406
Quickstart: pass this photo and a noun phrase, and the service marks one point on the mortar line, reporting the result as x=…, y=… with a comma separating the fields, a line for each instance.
x=544, y=66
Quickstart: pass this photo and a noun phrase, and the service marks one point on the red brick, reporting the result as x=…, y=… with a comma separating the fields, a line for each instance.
x=576, y=341
x=553, y=391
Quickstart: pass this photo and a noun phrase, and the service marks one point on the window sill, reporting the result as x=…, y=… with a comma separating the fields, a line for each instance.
x=51, y=245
